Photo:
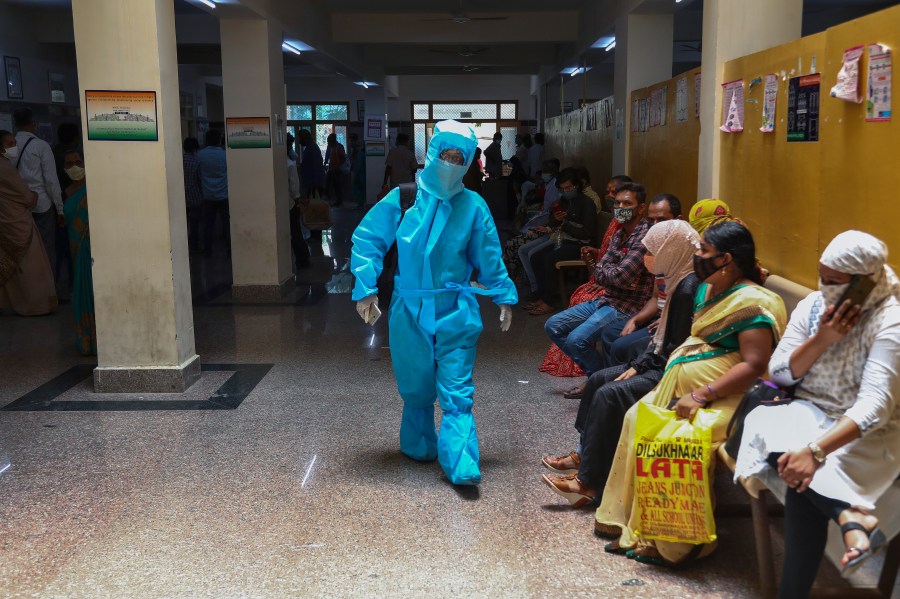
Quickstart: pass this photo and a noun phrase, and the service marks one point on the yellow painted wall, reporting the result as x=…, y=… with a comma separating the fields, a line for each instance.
x=664, y=158
x=796, y=196
x=566, y=140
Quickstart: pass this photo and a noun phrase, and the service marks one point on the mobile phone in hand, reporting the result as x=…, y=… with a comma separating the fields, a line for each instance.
x=857, y=291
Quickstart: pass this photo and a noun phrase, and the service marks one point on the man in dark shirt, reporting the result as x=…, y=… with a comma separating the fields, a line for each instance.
x=573, y=224
x=493, y=158
x=312, y=169
x=193, y=192
x=627, y=285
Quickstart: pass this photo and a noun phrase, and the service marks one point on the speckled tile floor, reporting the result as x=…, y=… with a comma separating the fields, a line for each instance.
x=301, y=491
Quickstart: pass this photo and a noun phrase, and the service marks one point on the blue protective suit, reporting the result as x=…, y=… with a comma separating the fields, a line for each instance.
x=434, y=318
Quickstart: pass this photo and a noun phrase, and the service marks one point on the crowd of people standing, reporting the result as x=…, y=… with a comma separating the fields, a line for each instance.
x=45, y=256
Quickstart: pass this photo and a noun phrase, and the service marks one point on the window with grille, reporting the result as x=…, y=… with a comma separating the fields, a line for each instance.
x=299, y=112
x=485, y=118
x=321, y=119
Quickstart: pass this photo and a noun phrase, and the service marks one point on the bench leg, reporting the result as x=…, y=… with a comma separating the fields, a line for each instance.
x=762, y=534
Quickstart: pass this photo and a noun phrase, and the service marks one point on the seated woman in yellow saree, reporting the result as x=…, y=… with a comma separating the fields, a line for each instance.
x=737, y=324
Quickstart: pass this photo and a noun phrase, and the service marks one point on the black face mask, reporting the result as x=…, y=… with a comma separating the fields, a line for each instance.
x=705, y=267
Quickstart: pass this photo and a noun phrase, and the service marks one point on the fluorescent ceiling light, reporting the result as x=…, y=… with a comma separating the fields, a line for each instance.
x=604, y=41
x=611, y=45
x=290, y=48
x=209, y=3
x=572, y=71
x=366, y=84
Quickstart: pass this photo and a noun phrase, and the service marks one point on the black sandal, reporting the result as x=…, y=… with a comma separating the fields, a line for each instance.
x=877, y=540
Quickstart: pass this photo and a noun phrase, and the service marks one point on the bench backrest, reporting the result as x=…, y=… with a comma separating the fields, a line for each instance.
x=789, y=291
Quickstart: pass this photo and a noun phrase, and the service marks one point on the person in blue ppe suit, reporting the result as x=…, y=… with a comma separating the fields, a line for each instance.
x=434, y=317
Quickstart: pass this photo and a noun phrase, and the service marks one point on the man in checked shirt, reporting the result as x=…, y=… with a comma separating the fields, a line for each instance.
x=627, y=283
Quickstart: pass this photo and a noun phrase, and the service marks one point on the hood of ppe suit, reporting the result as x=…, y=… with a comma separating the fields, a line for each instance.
x=440, y=178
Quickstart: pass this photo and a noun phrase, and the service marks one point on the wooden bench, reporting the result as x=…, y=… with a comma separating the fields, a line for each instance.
x=760, y=508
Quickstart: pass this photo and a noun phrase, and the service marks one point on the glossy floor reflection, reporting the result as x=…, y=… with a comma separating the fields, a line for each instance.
x=300, y=491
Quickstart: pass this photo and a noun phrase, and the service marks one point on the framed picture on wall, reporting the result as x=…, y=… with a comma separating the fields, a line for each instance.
x=14, y=89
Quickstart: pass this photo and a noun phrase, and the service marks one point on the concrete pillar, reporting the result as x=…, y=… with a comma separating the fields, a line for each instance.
x=376, y=105
x=142, y=288
x=731, y=29
x=253, y=86
x=643, y=57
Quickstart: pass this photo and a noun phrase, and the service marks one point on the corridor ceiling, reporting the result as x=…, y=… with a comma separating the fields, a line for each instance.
x=372, y=39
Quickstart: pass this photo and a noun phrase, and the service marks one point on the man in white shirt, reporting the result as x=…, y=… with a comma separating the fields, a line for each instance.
x=400, y=166
x=298, y=243
x=37, y=166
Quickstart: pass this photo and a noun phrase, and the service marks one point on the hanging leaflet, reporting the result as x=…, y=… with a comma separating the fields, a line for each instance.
x=878, y=89
x=733, y=104
x=697, y=95
x=847, y=86
x=658, y=107
x=662, y=104
x=803, y=108
x=635, y=116
x=645, y=115
x=769, y=98
x=681, y=100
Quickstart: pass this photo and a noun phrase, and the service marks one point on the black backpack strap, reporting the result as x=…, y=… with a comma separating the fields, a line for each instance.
x=22, y=151
x=407, y=197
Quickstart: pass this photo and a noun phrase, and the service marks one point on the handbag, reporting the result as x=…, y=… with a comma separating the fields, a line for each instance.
x=317, y=214
x=763, y=393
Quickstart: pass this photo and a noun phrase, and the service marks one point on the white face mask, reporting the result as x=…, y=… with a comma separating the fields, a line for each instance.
x=76, y=173
x=11, y=153
x=832, y=293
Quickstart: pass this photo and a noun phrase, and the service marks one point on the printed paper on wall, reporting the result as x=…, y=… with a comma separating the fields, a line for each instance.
x=878, y=88
x=769, y=99
x=733, y=104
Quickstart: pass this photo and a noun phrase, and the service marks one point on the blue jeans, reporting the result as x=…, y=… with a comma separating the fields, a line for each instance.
x=576, y=331
x=527, y=251
x=619, y=350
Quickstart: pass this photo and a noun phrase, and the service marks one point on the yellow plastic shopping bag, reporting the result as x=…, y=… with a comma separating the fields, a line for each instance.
x=671, y=475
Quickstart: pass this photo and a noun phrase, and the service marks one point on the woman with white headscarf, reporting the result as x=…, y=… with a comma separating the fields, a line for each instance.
x=834, y=450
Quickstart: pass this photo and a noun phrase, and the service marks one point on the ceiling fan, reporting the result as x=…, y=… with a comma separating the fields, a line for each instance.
x=470, y=68
x=465, y=51
x=461, y=17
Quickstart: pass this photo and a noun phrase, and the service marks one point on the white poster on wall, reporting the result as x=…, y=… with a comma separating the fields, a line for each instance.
x=374, y=128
